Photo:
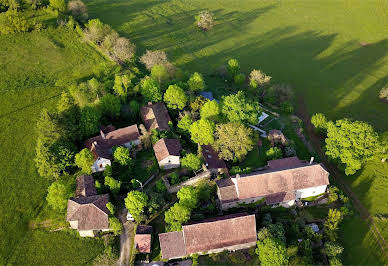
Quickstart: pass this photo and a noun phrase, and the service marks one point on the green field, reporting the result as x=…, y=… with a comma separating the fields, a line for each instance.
x=316, y=46
x=30, y=65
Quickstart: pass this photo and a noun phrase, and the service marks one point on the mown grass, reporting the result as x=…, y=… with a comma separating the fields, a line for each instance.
x=30, y=65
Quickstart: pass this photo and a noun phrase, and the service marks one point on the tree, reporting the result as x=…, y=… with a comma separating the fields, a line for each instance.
x=198, y=103
x=202, y=132
x=204, y=20
x=257, y=78
x=239, y=79
x=210, y=110
x=278, y=94
x=352, y=143
x=159, y=73
x=58, y=4
x=175, y=97
x=78, y=10
x=333, y=249
x=123, y=50
x=151, y=58
x=135, y=202
x=335, y=261
x=233, y=67
x=111, y=208
x=150, y=90
x=84, y=160
x=89, y=120
x=122, y=84
x=271, y=252
x=191, y=161
x=115, y=226
x=233, y=141
x=319, y=121
x=237, y=108
x=122, y=156
x=383, y=95
x=185, y=122
x=274, y=153
x=110, y=105
x=113, y=184
x=331, y=224
x=196, y=82
x=61, y=155
x=57, y=196
x=176, y=216
x=188, y=197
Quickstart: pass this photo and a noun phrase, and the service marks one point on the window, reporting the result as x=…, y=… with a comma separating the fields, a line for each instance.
x=100, y=165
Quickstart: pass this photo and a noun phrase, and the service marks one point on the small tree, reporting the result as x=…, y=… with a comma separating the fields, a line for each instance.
x=110, y=105
x=110, y=207
x=239, y=79
x=333, y=249
x=188, y=197
x=238, y=108
x=135, y=202
x=122, y=85
x=58, y=4
x=185, y=122
x=335, y=262
x=57, y=196
x=84, y=160
x=159, y=73
x=113, y=184
x=257, y=78
x=233, y=67
x=191, y=161
x=150, y=90
x=123, y=50
x=210, y=110
x=175, y=97
x=202, y=132
x=176, y=216
x=115, y=226
x=331, y=224
x=78, y=10
x=204, y=20
x=384, y=94
x=196, y=82
x=89, y=121
x=272, y=251
x=319, y=121
x=274, y=153
x=151, y=58
x=122, y=156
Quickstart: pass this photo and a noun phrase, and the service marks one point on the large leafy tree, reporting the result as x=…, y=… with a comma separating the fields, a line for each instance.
x=352, y=143
x=159, y=73
x=202, y=132
x=135, y=202
x=185, y=122
x=122, y=156
x=123, y=84
x=188, y=197
x=233, y=141
x=150, y=90
x=210, y=110
x=238, y=108
x=191, y=161
x=115, y=226
x=176, y=216
x=113, y=184
x=84, y=160
x=272, y=252
x=196, y=82
x=57, y=195
x=89, y=121
x=175, y=97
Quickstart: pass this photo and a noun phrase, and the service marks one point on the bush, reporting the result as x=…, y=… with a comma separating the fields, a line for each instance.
x=13, y=22
x=279, y=94
x=160, y=186
x=257, y=78
x=239, y=79
x=204, y=20
x=191, y=161
x=319, y=121
x=57, y=196
x=174, y=178
x=78, y=10
x=274, y=153
x=233, y=67
x=115, y=226
x=384, y=94
x=287, y=108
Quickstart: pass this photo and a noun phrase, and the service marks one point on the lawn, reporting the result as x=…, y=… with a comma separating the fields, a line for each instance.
x=333, y=52
x=30, y=65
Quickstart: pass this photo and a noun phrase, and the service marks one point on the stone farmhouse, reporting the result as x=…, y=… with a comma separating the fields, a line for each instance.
x=155, y=116
x=167, y=152
x=282, y=183
x=87, y=211
x=230, y=232
x=101, y=146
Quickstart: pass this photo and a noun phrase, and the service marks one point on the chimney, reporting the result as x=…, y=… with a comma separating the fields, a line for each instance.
x=102, y=134
x=311, y=160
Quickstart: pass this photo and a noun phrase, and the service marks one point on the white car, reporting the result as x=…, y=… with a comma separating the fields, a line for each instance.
x=130, y=217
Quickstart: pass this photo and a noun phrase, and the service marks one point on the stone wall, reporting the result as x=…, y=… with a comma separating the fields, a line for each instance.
x=173, y=189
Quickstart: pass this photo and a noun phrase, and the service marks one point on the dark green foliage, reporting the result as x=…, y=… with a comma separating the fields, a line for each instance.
x=239, y=79
x=238, y=108
x=150, y=90
x=57, y=195
x=115, y=226
x=90, y=121
x=84, y=160
x=333, y=249
x=286, y=107
x=113, y=184
x=238, y=170
x=160, y=186
x=109, y=105
x=274, y=153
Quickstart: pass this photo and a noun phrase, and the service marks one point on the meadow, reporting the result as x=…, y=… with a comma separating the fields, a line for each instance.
x=30, y=66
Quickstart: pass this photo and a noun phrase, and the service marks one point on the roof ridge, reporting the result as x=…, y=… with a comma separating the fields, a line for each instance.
x=221, y=220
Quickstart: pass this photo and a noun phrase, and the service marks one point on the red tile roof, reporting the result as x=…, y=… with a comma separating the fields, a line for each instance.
x=211, y=158
x=155, y=116
x=101, y=147
x=220, y=232
x=172, y=245
x=285, y=163
x=166, y=147
x=227, y=190
x=85, y=186
x=90, y=212
x=279, y=197
x=143, y=243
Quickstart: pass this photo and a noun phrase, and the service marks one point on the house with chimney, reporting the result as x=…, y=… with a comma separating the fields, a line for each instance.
x=101, y=145
x=167, y=152
x=87, y=211
x=229, y=232
x=282, y=182
x=155, y=116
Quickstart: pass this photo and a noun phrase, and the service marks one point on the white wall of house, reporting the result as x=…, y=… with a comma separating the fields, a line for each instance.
x=309, y=192
x=170, y=162
x=86, y=233
x=231, y=248
x=229, y=205
x=74, y=224
x=100, y=164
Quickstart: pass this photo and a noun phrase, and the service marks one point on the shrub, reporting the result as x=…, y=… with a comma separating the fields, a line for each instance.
x=257, y=78
x=319, y=121
x=191, y=161
x=58, y=4
x=115, y=226
x=174, y=178
x=160, y=186
x=204, y=20
x=279, y=94
x=287, y=108
x=333, y=196
x=196, y=82
x=233, y=67
x=333, y=249
x=57, y=196
x=110, y=207
x=159, y=73
x=274, y=153
x=384, y=94
x=78, y=10
x=113, y=184
x=239, y=79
